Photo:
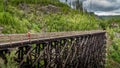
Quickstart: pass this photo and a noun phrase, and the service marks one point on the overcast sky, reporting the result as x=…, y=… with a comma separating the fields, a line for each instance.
x=102, y=7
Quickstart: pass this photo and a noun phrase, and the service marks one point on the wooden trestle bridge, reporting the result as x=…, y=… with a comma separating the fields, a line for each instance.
x=56, y=49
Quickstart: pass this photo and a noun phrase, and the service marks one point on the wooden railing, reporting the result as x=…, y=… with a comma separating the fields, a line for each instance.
x=58, y=50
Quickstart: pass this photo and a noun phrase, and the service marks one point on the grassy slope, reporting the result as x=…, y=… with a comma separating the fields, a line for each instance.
x=113, y=46
x=17, y=20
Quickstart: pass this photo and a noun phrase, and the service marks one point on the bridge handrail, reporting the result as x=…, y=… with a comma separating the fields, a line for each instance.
x=11, y=40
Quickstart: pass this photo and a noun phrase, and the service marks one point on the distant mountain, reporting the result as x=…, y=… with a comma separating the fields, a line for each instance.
x=108, y=17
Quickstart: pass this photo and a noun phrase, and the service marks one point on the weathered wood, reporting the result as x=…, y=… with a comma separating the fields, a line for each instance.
x=74, y=50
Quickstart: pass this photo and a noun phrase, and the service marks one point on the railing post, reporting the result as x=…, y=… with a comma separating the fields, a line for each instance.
x=38, y=53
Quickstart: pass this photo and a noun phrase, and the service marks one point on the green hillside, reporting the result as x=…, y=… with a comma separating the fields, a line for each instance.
x=21, y=16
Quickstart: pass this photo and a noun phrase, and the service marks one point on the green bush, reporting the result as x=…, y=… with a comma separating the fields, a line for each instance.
x=1, y=6
x=11, y=63
x=12, y=24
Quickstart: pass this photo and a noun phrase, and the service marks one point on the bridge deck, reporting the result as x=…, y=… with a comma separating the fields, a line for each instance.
x=15, y=40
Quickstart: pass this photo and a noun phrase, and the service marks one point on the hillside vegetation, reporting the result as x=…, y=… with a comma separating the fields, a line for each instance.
x=21, y=16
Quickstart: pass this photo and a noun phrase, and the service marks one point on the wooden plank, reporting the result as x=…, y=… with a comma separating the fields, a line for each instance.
x=13, y=40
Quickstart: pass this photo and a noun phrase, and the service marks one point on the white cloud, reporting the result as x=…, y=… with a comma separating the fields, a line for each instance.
x=101, y=5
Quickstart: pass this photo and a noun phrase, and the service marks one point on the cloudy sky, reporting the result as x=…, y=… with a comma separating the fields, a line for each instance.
x=102, y=7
